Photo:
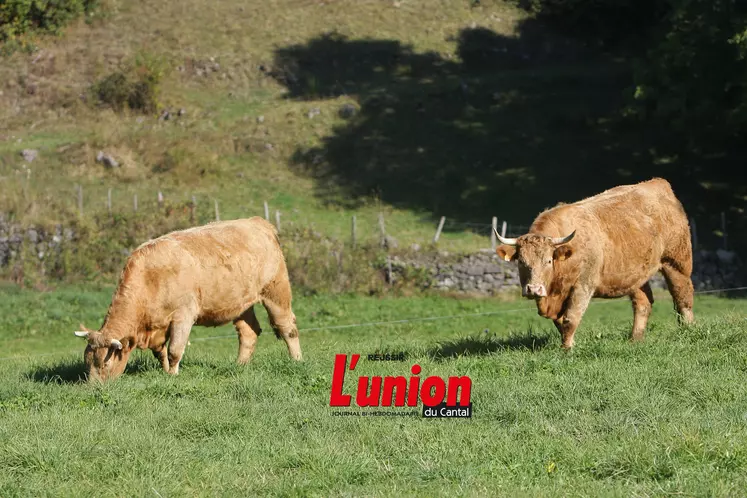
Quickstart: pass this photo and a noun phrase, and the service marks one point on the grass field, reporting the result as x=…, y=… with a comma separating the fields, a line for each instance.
x=666, y=416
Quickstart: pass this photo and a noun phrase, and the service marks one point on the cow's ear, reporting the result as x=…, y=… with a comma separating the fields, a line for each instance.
x=506, y=253
x=561, y=253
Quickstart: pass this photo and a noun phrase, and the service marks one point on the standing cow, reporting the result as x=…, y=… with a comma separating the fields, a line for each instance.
x=209, y=276
x=607, y=246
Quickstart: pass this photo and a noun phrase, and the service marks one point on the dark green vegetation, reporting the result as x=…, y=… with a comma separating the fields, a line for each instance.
x=27, y=17
x=612, y=418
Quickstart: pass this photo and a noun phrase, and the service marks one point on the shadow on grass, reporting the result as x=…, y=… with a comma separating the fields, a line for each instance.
x=485, y=344
x=67, y=372
x=74, y=371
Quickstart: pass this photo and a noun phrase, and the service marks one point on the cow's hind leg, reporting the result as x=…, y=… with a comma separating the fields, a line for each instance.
x=248, y=329
x=681, y=288
x=642, y=300
x=177, y=343
x=276, y=298
x=162, y=356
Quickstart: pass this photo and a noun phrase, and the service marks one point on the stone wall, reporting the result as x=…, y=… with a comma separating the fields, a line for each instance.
x=486, y=273
x=40, y=243
x=478, y=273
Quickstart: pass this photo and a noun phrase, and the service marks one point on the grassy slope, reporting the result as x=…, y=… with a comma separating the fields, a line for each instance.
x=221, y=113
x=468, y=112
x=612, y=418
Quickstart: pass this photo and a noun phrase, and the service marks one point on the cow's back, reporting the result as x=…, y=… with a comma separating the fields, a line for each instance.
x=622, y=234
x=217, y=270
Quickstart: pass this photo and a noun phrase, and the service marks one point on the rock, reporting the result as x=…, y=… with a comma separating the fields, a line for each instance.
x=165, y=115
x=182, y=112
x=260, y=119
x=33, y=236
x=315, y=111
x=415, y=247
x=726, y=256
x=390, y=242
x=107, y=160
x=492, y=268
x=29, y=155
x=475, y=270
x=347, y=111
x=268, y=147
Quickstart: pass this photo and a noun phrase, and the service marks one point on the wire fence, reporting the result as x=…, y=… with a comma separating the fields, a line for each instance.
x=378, y=323
x=711, y=229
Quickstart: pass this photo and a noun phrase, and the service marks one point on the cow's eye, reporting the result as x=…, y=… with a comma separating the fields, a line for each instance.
x=549, y=261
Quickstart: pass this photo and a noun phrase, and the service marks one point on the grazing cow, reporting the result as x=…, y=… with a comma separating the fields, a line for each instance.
x=209, y=276
x=608, y=245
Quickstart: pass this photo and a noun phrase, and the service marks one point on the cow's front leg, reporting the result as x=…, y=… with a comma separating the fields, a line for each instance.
x=574, y=312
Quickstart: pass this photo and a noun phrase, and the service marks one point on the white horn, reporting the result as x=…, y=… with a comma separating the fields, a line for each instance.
x=503, y=240
x=116, y=344
x=563, y=240
x=81, y=333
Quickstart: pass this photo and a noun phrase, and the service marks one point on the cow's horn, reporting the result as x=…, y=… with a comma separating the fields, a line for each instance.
x=504, y=240
x=563, y=240
x=81, y=333
x=116, y=344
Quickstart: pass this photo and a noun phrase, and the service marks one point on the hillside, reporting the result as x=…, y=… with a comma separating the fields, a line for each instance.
x=327, y=109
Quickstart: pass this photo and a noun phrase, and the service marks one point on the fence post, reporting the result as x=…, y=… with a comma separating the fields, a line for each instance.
x=267, y=211
x=109, y=200
x=389, y=269
x=192, y=210
x=438, y=230
x=723, y=231
x=217, y=213
x=493, y=230
x=353, y=231
x=693, y=233
x=160, y=199
x=277, y=220
x=134, y=202
x=503, y=229
x=80, y=199
x=382, y=227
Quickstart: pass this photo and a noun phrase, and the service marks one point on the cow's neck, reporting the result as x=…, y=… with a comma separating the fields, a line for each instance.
x=122, y=319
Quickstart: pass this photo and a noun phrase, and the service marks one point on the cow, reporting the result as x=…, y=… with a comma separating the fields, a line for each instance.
x=607, y=246
x=208, y=275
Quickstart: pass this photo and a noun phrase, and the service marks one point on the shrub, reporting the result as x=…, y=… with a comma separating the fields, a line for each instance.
x=134, y=86
x=18, y=17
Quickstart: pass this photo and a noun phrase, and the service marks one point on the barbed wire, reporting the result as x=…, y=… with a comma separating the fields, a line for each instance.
x=380, y=323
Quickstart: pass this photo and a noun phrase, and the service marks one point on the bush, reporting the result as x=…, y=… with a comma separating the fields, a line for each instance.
x=134, y=86
x=694, y=80
x=18, y=17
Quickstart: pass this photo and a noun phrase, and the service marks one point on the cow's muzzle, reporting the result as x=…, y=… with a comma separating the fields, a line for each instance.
x=534, y=290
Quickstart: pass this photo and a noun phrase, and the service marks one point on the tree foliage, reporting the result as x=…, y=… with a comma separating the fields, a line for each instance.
x=690, y=58
x=694, y=78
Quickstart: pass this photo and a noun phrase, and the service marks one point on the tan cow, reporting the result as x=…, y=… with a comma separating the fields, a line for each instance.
x=209, y=276
x=608, y=245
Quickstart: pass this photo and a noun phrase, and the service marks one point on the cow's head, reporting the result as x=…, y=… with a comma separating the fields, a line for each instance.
x=105, y=357
x=537, y=256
